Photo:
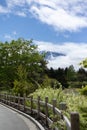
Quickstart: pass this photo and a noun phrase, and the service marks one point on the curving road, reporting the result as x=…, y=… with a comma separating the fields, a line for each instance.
x=10, y=120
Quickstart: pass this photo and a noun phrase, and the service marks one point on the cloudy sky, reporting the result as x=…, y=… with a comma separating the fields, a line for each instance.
x=54, y=25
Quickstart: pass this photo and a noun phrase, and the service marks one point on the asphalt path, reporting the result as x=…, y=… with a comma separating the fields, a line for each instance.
x=11, y=120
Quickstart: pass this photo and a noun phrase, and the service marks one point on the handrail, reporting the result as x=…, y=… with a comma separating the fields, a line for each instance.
x=41, y=109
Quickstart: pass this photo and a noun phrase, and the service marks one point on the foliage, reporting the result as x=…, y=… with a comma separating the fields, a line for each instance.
x=50, y=82
x=50, y=93
x=77, y=102
x=58, y=123
x=59, y=75
x=19, y=53
x=84, y=63
x=82, y=75
x=74, y=100
x=76, y=84
x=20, y=87
x=21, y=84
x=84, y=90
x=70, y=73
x=68, y=77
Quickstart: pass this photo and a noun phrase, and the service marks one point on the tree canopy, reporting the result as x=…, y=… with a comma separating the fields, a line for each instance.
x=21, y=54
x=84, y=63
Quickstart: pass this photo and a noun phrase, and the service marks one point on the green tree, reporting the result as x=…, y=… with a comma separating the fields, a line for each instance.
x=84, y=63
x=20, y=52
x=82, y=75
x=21, y=84
x=70, y=73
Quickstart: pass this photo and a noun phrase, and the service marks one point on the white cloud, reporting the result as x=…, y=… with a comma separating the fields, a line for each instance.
x=65, y=15
x=14, y=33
x=19, y=13
x=8, y=37
x=74, y=53
x=68, y=15
x=12, y=3
x=3, y=10
x=11, y=36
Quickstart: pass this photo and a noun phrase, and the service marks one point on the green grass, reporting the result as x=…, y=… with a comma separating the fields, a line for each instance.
x=74, y=100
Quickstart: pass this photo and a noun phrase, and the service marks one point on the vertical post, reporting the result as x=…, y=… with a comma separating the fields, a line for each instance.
x=5, y=98
x=19, y=101
x=46, y=109
x=9, y=98
x=14, y=100
x=75, y=123
x=0, y=97
x=54, y=105
x=24, y=99
x=62, y=106
x=31, y=100
x=38, y=107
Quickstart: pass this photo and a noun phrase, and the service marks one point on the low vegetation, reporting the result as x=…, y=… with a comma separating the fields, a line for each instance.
x=74, y=99
x=84, y=90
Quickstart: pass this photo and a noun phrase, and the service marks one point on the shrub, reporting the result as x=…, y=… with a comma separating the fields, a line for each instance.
x=84, y=90
x=75, y=84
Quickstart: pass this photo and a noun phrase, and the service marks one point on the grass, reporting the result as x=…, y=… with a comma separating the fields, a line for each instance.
x=74, y=100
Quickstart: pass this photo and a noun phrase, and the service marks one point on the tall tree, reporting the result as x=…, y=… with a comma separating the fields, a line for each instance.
x=70, y=73
x=82, y=75
x=16, y=53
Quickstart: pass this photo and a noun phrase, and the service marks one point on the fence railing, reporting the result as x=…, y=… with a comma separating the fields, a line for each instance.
x=42, y=110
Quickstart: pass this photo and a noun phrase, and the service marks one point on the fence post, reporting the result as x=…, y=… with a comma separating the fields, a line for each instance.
x=5, y=98
x=24, y=96
x=46, y=109
x=54, y=105
x=0, y=97
x=38, y=107
x=62, y=106
x=19, y=101
x=75, y=123
x=31, y=101
x=9, y=98
x=14, y=100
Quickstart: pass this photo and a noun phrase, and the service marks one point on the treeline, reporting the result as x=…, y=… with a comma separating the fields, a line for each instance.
x=69, y=77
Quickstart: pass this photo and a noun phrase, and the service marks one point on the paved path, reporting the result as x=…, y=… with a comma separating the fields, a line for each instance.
x=10, y=120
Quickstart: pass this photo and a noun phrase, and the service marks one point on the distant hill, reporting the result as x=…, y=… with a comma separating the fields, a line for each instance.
x=50, y=55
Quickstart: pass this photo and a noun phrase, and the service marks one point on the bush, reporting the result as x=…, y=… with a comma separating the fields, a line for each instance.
x=20, y=87
x=75, y=84
x=84, y=90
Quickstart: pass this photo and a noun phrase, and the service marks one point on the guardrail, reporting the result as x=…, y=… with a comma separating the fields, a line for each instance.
x=42, y=110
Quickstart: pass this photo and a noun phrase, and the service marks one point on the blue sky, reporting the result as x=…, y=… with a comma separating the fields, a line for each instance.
x=52, y=24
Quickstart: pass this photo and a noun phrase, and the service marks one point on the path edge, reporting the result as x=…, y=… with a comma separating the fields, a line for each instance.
x=25, y=115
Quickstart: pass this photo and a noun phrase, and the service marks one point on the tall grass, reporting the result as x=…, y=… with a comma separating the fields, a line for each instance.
x=74, y=100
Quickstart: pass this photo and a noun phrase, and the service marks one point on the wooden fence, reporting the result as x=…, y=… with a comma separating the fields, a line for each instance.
x=42, y=110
